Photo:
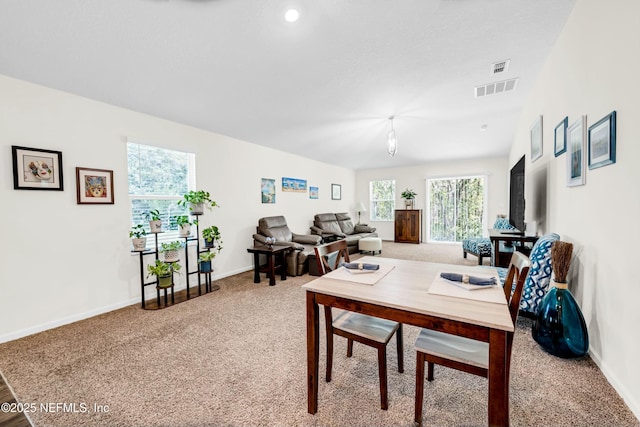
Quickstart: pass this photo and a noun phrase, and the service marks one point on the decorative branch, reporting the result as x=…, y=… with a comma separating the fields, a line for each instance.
x=561, y=260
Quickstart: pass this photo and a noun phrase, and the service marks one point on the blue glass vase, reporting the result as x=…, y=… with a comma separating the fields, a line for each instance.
x=559, y=327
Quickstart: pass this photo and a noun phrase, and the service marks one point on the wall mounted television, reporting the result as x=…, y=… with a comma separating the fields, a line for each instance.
x=516, y=196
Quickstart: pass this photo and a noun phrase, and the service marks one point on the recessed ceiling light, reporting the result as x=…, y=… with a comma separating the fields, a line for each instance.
x=483, y=127
x=291, y=15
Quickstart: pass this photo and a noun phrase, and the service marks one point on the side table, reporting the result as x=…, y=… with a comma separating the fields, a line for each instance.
x=275, y=260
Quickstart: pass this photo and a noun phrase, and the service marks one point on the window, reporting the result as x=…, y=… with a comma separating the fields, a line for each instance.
x=158, y=178
x=383, y=200
x=456, y=208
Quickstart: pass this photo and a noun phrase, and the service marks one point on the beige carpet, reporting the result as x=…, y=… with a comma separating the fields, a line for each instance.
x=237, y=357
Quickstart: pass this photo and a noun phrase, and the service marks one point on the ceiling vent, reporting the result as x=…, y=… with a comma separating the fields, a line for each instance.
x=500, y=67
x=496, y=87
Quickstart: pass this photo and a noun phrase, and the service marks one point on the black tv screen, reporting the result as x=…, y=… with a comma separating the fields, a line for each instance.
x=516, y=196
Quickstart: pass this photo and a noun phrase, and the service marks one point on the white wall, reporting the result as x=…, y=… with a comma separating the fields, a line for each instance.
x=593, y=70
x=62, y=262
x=415, y=177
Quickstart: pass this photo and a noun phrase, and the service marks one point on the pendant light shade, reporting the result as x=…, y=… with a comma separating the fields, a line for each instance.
x=392, y=140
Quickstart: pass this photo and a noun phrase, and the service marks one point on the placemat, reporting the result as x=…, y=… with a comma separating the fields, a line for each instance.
x=364, y=278
x=494, y=294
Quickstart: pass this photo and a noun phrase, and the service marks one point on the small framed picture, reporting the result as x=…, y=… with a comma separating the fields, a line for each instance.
x=535, y=133
x=602, y=142
x=36, y=169
x=560, y=137
x=336, y=192
x=94, y=186
x=575, y=152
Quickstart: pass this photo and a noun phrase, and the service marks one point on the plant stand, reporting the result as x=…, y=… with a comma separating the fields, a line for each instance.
x=182, y=295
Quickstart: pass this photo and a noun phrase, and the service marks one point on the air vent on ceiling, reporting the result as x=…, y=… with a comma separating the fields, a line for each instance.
x=496, y=87
x=500, y=67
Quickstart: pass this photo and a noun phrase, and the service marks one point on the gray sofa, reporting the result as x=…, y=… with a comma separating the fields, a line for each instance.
x=339, y=225
x=302, y=244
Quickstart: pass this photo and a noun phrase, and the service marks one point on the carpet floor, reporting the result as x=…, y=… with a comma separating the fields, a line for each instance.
x=237, y=357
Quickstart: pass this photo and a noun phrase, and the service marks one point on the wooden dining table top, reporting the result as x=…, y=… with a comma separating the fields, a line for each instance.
x=406, y=287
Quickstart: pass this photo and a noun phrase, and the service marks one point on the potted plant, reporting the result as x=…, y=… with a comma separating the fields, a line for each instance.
x=211, y=236
x=163, y=272
x=170, y=250
x=138, y=238
x=205, y=261
x=408, y=195
x=155, y=221
x=197, y=201
x=184, y=224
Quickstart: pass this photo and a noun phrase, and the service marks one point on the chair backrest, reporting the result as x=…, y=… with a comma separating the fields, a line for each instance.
x=339, y=246
x=328, y=222
x=502, y=224
x=518, y=271
x=275, y=226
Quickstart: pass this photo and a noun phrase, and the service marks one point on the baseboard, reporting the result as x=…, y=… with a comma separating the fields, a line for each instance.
x=95, y=312
x=624, y=393
x=66, y=320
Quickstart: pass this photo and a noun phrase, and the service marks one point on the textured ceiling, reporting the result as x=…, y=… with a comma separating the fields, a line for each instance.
x=322, y=87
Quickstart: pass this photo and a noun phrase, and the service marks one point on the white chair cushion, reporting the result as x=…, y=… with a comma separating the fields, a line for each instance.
x=453, y=347
x=374, y=328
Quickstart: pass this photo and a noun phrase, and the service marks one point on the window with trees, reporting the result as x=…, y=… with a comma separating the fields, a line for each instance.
x=456, y=208
x=382, y=195
x=158, y=178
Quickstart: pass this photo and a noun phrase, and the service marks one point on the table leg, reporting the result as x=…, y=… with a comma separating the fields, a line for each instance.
x=271, y=269
x=256, y=267
x=283, y=267
x=495, y=259
x=498, y=379
x=313, y=352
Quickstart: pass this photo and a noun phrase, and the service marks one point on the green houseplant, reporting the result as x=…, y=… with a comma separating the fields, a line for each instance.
x=197, y=201
x=155, y=220
x=408, y=195
x=170, y=250
x=205, y=261
x=163, y=272
x=138, y=237
x=184, y=223
x=211, y=236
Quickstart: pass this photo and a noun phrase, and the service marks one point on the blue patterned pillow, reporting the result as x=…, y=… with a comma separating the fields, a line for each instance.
x=539, y=274
x=503, y=224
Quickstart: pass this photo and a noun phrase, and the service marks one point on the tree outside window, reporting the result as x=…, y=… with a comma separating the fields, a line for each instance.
x=383, y=200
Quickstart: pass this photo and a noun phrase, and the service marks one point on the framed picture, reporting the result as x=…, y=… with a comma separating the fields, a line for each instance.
x=535, y=134
x=94, y=186
x=294, y=185
x=268, y=190
x=336, y=192
x=36, y=169
x=602, y=142
x=560, y=137
x=313, y=192
x=575, y=152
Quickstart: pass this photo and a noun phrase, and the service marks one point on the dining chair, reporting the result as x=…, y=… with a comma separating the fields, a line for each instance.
x=465, y=354
x=368, y=330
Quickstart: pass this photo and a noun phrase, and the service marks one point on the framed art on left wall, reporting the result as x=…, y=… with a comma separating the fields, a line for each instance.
x=36, y=169
x=94, y=186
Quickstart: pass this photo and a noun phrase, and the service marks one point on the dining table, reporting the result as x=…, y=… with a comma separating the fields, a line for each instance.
x=412, y=292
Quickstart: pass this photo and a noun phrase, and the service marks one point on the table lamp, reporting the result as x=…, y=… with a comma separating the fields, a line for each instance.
x=360, y=208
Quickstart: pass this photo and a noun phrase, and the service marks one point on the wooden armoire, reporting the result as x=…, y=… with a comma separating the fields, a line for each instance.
x=408, y=226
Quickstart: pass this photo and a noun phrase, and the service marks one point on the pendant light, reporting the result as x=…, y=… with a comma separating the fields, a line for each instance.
x=392, y=141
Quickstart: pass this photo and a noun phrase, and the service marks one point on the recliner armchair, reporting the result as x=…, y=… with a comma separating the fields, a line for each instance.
x=341, y=226
x=302, y=244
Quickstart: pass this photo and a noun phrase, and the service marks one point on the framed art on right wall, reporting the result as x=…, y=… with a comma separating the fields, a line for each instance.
x=602, y=142
x=560, y=137
x=576, y=136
